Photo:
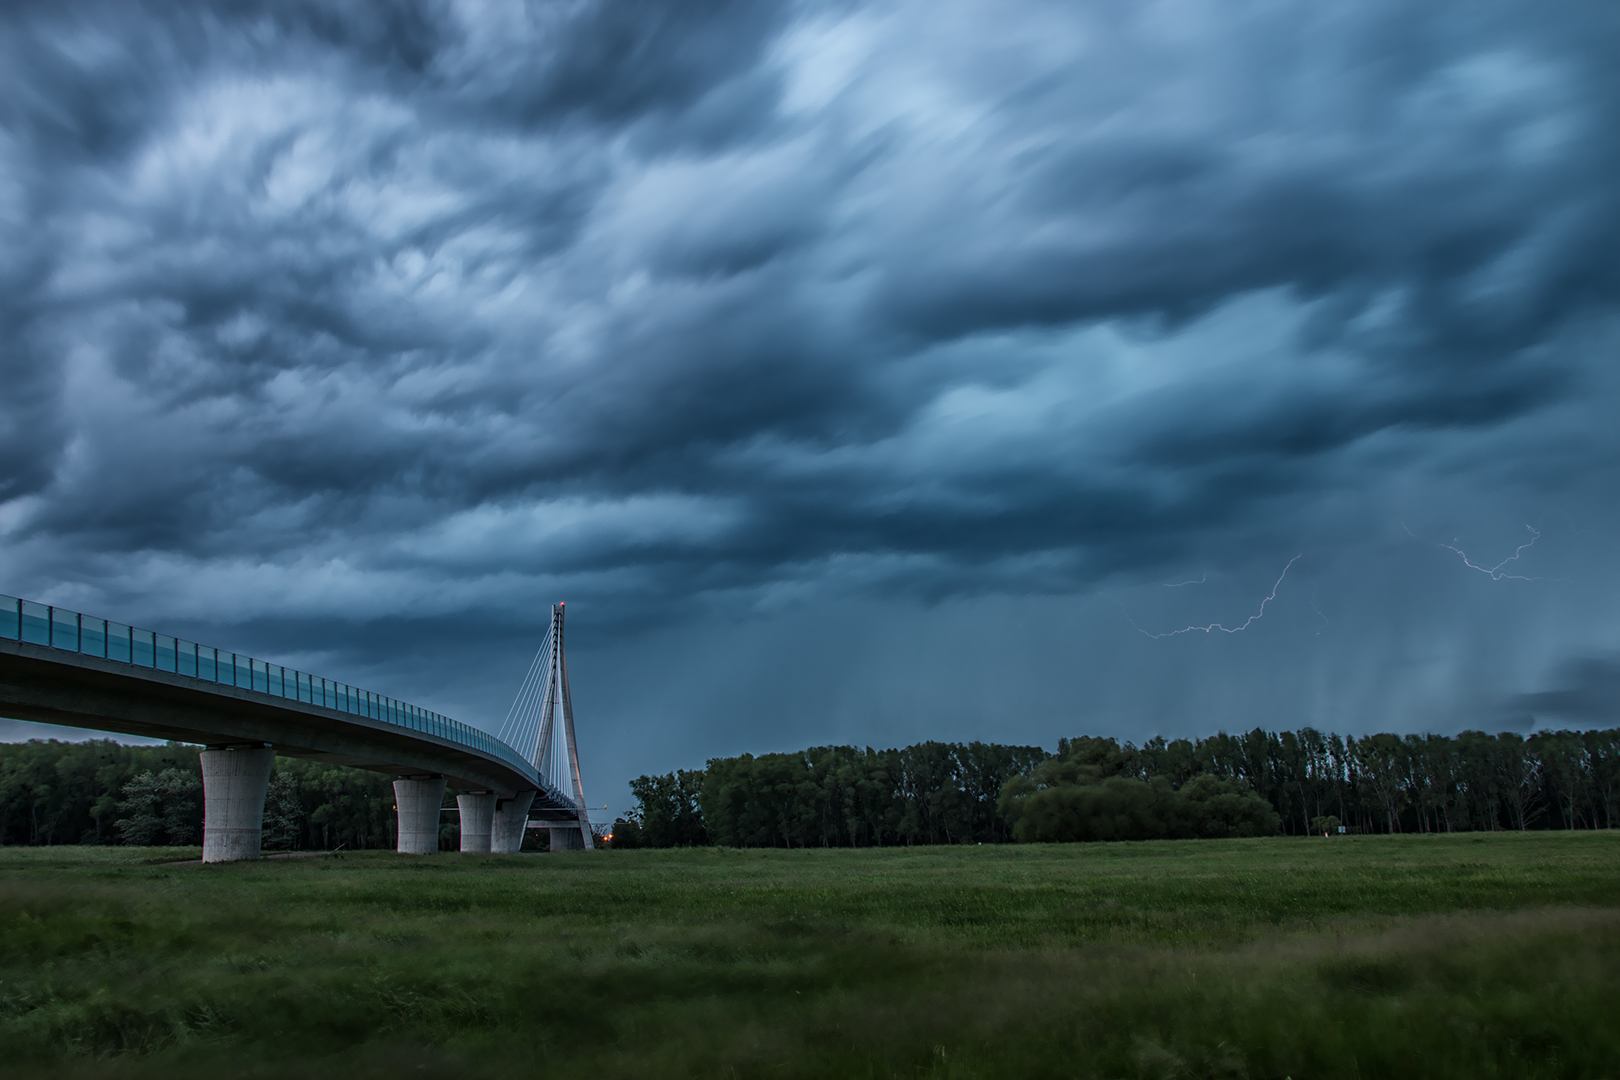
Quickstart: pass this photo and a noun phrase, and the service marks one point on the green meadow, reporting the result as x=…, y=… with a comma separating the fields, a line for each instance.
x=1471, y=955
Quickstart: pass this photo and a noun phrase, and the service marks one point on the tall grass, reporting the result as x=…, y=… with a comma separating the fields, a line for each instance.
x=1374, y=956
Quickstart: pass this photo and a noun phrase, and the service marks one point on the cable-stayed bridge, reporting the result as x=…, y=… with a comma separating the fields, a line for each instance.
x=533, y=724
x=62, y=667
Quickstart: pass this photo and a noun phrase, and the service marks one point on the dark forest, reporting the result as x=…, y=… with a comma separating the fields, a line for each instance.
x=1259, y=783
x=1291, y=782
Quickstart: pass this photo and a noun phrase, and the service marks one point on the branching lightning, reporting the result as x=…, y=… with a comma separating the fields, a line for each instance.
x=1212, y=627
x=1179, y=584
x=1497, y=574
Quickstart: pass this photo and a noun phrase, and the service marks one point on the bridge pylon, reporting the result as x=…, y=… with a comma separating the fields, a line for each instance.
x=541, y=723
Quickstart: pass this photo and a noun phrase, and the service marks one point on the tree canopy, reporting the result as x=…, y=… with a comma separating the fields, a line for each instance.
x=1260, y=782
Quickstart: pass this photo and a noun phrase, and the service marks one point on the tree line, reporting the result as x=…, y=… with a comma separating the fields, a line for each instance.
x=103, y=792
x=1258, y=783
x=1293, y=782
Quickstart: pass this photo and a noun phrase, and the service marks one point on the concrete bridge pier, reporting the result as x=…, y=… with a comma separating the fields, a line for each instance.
x=566, y=838
x=417, y=801
x=234, y=782
x=511, y=817
x=477, y=815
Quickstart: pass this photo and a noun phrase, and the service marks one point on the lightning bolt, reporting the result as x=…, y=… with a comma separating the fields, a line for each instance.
x=1496, y=573
x=1212, y=627
x=1179, y=584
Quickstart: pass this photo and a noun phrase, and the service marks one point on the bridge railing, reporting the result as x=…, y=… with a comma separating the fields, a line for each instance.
x=59, y=628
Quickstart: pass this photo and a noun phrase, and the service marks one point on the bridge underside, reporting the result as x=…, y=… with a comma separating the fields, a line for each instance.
x=49, y=686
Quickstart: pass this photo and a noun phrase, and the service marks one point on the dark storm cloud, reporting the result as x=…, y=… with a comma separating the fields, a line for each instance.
x=418, y=315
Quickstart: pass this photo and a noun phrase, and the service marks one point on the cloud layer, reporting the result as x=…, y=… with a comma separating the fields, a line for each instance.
x=365, y=334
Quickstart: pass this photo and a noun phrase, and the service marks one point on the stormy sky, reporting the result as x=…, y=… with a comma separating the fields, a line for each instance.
x=857, y=372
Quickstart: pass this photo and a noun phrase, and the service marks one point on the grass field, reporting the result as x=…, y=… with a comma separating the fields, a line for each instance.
x=1459, y=956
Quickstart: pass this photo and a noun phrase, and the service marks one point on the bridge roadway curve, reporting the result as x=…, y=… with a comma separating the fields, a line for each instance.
x=49, y=680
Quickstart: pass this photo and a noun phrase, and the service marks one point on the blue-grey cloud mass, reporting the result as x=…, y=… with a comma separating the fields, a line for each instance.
x=856, y=371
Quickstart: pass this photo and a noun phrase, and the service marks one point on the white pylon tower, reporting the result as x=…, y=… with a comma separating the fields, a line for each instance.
x=532, y=723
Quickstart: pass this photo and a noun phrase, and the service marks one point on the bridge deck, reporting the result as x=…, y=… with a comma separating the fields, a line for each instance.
x=61, y=667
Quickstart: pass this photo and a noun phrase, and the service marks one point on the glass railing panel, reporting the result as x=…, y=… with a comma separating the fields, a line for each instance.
x=118, y=642
x=23, y=620
x=64, y=629
x=140, y=648
x=163, y=648
x=36, y=623
x=92, y=635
